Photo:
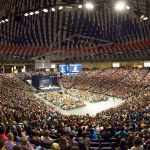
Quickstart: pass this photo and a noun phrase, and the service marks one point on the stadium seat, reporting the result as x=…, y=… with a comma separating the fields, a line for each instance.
x=113, y=139
x=105, y=144
x=94, y=144
x=94, y=140
x=94, y=148
x=106, y=148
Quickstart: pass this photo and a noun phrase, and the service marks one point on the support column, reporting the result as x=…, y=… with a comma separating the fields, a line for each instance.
x=3, y=67
x=12, y=69
x=23, y=69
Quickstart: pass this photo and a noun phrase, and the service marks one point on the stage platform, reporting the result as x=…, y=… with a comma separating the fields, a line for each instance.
x=50, y=88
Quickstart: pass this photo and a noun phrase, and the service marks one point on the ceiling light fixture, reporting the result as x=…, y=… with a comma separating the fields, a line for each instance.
x=120, y=6
x=45, y=10
x=61, y=7
x=142, y=17
x=127, y=7
x=6, y=20
x=145, y=18
x=31, y=13
x=37, y=12
x=89, y=6
x=3, y=21
x=26, y=14
x=53, y=9
x=80, y=6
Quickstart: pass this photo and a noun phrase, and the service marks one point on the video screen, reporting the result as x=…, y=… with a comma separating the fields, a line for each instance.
x=70, y=68
x=74, y=68
x=63, y=68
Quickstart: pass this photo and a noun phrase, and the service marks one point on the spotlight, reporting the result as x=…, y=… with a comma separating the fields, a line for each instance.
x=37, y=12
x=3, y=21
x=128, y=7
x=26, y=14
x=120, y=5
x=61, y=7
x=31, y=13
x=45, y=10
x=142, y=17
x=145, y=18
x=89, y=5
x=80, y=6
x=6, y=20
x=53, y=9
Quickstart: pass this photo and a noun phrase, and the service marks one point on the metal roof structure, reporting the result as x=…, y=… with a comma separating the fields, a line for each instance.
x=73, y=33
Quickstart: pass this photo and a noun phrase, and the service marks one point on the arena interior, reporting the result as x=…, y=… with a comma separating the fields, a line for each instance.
x=74, y=74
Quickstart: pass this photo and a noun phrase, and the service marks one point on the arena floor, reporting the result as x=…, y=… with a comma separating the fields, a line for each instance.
x=93, y=108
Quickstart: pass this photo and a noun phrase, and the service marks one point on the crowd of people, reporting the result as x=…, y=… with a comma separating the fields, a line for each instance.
x=69, y=81
x=118, y=82
x=12, y=80
x=24, y=75
x=62, y=100
x=87, y=96
x=26, y=123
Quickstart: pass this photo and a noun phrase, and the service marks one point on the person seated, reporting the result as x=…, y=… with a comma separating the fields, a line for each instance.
x=122, y=145
x=2, y=133
x=36, y=136
x=55, y=146
x=74, y=148
x=93, y=135
x=138, y=144
x=25, y=144
x=46, y=138
x=2, y=145
x=121, y=134
x=71, y=140
x=84, y=140
x=64, y=145
x=10, y=143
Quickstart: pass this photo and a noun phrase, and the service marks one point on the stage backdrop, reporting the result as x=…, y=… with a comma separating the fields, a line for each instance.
x=39, y=81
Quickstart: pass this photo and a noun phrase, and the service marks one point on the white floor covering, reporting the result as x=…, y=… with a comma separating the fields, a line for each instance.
x=93, y=108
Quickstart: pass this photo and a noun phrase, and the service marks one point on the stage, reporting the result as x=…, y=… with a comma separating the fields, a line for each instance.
x=50, y=88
